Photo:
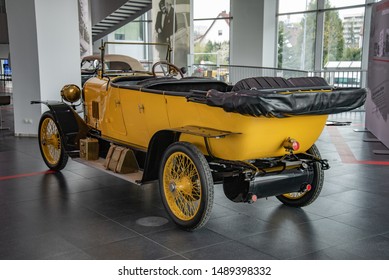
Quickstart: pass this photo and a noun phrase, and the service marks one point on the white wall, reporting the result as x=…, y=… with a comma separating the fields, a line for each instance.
x=45, y=55
x=4, y=51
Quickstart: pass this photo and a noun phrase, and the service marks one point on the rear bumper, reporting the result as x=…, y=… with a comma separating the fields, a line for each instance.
x=288, y=181
x=241, y=189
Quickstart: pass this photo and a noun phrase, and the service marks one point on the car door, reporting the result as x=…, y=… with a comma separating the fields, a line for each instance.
x=133, y=116
x=114, y=116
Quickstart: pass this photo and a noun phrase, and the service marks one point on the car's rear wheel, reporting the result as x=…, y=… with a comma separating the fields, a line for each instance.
x=186, y=185
x=50, y=143
x=300, y=199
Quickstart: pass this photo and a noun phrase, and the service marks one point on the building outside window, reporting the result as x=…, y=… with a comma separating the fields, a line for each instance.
x=313, y=34
x=353, y=30
x=211, y=20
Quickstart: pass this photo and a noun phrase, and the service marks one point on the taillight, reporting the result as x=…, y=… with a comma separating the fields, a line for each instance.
x=291, y=144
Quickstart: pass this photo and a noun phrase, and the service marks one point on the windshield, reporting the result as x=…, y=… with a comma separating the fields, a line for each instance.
x=145, y=54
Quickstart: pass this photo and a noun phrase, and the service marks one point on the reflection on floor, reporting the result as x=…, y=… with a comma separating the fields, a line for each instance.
x=82, y=213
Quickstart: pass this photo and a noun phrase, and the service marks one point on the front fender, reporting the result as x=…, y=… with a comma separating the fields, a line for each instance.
x=71, y=126
x=157, y=146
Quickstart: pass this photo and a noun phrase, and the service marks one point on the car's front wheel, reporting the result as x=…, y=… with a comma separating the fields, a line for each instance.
x=50, y=143
x=186, y=185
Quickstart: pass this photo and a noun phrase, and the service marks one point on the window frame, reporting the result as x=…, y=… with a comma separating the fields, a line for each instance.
x=320, y=11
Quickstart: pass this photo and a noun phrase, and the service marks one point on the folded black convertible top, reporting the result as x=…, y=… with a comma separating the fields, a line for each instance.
x=267, y=103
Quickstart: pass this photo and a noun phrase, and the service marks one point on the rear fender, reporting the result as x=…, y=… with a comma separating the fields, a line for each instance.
x=71, y=126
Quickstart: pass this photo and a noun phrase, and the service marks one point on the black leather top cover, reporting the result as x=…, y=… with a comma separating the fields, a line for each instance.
x=274, y=104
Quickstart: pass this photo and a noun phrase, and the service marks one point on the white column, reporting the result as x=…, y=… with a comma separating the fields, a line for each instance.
x=45, y=55
x=269, y=43
x=253, y=39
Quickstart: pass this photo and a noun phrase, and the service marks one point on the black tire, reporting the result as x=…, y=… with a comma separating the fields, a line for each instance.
x=307, y=197
x=50, y=143
x=186, y=185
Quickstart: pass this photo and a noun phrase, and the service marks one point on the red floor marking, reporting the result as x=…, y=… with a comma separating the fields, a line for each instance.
x=25, y=175
x=382, y=59
x=344, y=150
x=372, y=162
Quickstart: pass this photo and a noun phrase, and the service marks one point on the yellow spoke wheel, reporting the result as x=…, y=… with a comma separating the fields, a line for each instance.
x=300, y=199
x=186, y=185
x=182, y=186
x=50, y=143
x=294, y=195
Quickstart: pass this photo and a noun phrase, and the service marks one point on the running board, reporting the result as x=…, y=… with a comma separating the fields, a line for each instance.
x=135, y=178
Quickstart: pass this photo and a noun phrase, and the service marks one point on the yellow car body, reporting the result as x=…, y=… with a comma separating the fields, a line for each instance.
x=134, y=116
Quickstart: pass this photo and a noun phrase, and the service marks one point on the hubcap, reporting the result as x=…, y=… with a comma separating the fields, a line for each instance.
x=172, y=186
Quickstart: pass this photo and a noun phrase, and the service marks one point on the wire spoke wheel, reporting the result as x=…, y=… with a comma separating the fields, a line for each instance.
x=300, y=199
x=182, y=186
x=50, y=143
x=294, y=195
x=186, y=185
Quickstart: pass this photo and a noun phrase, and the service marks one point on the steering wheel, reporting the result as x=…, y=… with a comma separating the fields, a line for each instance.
x=168, y=69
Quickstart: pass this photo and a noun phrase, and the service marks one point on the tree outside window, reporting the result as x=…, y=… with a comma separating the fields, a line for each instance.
x=342, y=36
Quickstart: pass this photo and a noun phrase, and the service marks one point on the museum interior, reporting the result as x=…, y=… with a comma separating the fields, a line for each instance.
x=186, y=102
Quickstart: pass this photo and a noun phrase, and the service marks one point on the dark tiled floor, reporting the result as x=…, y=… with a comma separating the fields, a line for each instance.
x=82, y=213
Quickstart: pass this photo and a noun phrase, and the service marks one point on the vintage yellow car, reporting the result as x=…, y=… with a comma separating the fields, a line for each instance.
x=256, y=138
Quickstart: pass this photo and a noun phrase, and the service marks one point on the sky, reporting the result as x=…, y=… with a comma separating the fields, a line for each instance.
x=299, y=5
x=211, y=8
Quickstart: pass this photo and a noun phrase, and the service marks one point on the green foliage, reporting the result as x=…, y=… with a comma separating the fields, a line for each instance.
x=296, y=42
x=209, y=50
x=352, y=54
x=307, y=39
x=287, y=52
x=208, y=47
x=333, y=37
x=280, y=43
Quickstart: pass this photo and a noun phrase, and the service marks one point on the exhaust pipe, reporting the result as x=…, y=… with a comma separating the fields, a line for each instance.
x=238, y=189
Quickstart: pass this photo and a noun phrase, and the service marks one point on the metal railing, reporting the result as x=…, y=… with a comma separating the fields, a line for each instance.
x=233, y=73
x=342, y=78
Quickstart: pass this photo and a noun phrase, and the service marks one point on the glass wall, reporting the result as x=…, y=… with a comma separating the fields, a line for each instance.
x=316, y=34
x=312, y=34
x=211, y=32
x=287, y=6
x=132, y=31
x=343, y=35
x=296, y=41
